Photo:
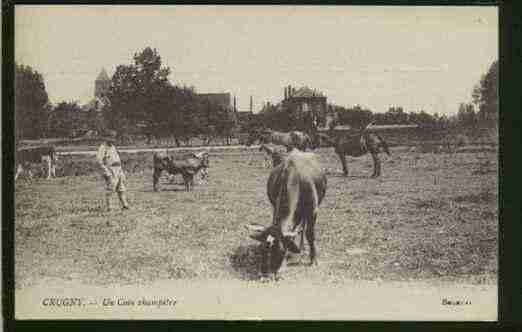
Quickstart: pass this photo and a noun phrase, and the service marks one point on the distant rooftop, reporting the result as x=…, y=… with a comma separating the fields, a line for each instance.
x=306, y=92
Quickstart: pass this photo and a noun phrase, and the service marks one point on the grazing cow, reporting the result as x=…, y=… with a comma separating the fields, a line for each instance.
x=36, y=155
x=203, y=172
x=295, y=188
x=273, y=154
x=187, y=166
x=292, y=139
x=357, y=145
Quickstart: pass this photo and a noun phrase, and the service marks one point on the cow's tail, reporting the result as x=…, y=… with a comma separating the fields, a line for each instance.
x=314, y=197
x=308, y=204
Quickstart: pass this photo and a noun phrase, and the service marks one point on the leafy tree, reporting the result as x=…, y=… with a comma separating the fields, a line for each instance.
x=396, y=115
x=278, y=118
x=466, y=115
x=140, y=92
x=444, y=121
x=181, y=113
x=31, y=103
x=122, y=96
x=67, y=120
x=253, y=123
x=422, y=118
x=226, y=125
x=356, y=116
x=485, y=96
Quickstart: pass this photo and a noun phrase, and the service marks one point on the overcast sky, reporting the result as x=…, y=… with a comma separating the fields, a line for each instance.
x=416, y=57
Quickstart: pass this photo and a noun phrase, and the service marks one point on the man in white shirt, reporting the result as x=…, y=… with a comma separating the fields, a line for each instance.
x=110, y=162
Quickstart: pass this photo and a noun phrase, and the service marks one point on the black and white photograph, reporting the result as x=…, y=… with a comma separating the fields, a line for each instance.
x=229, y=162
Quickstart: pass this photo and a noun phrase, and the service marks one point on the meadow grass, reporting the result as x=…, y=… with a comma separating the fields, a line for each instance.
x=435, y=218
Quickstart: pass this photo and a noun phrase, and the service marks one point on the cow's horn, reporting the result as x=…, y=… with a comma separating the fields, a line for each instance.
x=255, y=227
x=257, y=232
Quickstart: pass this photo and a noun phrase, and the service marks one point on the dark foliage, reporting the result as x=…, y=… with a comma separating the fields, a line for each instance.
x=31, y=103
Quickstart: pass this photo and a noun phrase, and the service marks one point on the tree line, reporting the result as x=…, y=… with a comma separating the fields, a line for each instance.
x=142, y=96
x=142, y=100
x=278, y=118
x=482, y=111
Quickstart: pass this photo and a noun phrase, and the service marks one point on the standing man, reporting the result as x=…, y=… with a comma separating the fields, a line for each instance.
x=109, y=160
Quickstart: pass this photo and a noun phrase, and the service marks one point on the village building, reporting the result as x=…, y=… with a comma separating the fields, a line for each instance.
x=102, y=84
x=310, y=103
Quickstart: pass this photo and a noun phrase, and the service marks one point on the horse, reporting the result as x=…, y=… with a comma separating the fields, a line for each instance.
x=357, y=145
x=291, y=139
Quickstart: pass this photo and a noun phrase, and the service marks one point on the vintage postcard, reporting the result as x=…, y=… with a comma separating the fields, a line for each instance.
x=256, y=162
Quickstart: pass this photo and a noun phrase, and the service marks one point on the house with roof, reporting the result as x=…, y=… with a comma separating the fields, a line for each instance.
x=102, y=84
x=312, y=105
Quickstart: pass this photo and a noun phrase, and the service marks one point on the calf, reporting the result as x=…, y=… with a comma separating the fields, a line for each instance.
x=36, y=155
x=295, y=189
x=187, y=166
x=203, y=172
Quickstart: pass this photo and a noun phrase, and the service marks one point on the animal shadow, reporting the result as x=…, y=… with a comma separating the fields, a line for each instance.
x=246, y=260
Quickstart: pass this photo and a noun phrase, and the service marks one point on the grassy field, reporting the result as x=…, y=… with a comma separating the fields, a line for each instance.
x=429, y=217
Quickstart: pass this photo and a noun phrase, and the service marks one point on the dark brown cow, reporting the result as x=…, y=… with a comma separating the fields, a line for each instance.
x=203, y=172
x=187, y=166
x=295, y=189
x=36, y=155
x=356, y=145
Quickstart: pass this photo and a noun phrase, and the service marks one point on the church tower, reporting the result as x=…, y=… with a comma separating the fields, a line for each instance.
x=101, y=84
